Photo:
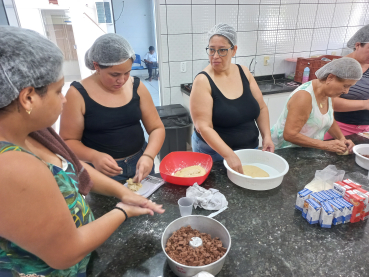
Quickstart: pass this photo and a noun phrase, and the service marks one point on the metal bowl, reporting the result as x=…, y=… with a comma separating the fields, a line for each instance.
x=203, y=224
x=359, y=150
x=272, y=163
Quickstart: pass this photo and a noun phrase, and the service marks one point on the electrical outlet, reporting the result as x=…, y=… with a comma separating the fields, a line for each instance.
x=266, y=60
x=334, y=53
x=183, y=67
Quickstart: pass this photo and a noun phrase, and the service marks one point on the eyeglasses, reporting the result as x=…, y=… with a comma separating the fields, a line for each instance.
x=221, y=52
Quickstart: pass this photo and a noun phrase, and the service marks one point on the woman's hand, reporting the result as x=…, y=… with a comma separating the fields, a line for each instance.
x=134, y=210
x=268, y=144
x=143, y=168
x=234, y=162
x=349, y=144
x=336, y=145
x=106, y=164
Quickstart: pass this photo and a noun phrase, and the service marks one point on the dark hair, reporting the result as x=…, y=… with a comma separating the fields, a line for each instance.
x=338, y=78
x=361, y=44
x=151, y=48
x=41, y=91
x=104, y=66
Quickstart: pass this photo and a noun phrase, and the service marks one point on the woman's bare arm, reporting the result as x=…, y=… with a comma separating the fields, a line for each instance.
x=346, y=105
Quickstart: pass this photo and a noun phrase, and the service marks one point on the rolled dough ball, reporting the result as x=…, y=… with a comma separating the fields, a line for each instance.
x=254, y=171
x=344, y=154
x=133, y=186
x=191, y=171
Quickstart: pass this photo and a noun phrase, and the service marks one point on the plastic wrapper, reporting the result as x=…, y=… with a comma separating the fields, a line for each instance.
x=325, y=178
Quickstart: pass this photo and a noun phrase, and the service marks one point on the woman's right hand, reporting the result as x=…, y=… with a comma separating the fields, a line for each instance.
x=234, y=162
x=132, y=210
x=106, y=164
x=336, y=145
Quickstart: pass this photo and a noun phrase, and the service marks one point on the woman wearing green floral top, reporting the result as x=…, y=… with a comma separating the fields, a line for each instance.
x=308, y=113
x=46, y=226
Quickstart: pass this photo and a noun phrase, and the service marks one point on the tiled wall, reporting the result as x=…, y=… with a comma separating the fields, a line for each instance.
x=276, y=28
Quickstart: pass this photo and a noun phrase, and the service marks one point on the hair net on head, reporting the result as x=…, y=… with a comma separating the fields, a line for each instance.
x=27, y=59
x=362, y=36
x=224, y=30
x=345, y=68
x=109, y=50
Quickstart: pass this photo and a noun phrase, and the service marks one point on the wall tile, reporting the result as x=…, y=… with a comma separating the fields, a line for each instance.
x=227, y=14
x=336, y=52
x=234, y=60
x=318, y=53
x=281, y=66
x=320, y=39
x=303, y=39
x=266, y=42
x=350, y=32
x=176, y=95
x=307, y=17
x=164, y=48
x=198, y=66
x=248, y=17
x=180, y=47
x=164, y=75
x=288, y=16
x=324, y=15
x=179, y=19
x=301, y=54
x=337, y=37
x=269, y=1
x=200, y=42
x=178, y=2
x=163, y=19
x=261, y=69
x=245, y=61
x=341, y=14
x=203, y=1
x=358, y=13
x=249, y=2
x=290, y=2
x=269, y=16
x=246, y=43
x=177, y=77
x=226, y=2
x=203, y=18
x=166, y=96
x=285, y=41
x=327, y=1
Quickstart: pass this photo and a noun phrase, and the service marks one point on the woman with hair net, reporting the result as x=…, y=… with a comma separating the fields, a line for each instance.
x=351, y=110
x=308, y=113
x=225, y=102
x=101, y=119
x=46, y=226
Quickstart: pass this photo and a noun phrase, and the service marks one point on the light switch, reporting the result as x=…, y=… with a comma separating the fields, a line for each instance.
x=266, y=60
x=183, y=67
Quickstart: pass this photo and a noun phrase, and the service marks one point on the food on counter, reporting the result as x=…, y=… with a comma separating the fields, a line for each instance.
x=178, y=248
x=366, y=156
x=133, y=186
x=191, y=171
x=254, y=171
x=345, y=153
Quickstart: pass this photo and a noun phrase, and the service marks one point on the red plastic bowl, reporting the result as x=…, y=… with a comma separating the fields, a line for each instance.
x=175, y=161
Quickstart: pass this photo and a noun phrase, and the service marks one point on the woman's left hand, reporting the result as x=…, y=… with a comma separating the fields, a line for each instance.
x=143, y=168
x=268, y=144
x=349, y=144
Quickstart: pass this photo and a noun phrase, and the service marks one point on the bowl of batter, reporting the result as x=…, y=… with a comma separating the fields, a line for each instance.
x=185, y=168
x=262, y=170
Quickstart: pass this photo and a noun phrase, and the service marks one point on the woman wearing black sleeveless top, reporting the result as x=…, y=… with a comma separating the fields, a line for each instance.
x=226, y=102
x=101, y=119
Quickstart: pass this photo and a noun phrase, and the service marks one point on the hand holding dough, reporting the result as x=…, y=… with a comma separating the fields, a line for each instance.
x=254, y=171
x=191, y=171
x=133, y=186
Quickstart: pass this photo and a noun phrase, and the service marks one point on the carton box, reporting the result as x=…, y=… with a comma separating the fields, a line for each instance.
x=358, y=202
x=338, y=215
x=326, y=195
x=365, y=194
x=351, y=183
x=347, y=211
x=301, y=197
x=334, y=193
x=313, y=212
x=316, y=196
x=341, y=188
x=326, y=215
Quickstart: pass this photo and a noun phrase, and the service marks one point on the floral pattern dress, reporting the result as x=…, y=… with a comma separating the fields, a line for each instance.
x=316, y=126
x=15, y=261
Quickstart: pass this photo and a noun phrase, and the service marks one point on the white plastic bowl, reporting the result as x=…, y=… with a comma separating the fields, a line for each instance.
x=272, y=163
x=361, y=160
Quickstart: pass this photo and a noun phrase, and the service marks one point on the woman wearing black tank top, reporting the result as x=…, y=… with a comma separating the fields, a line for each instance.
x=226, y=102
x=101, y=120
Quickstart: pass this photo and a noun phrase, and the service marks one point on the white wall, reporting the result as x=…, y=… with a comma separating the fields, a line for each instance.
x=279, y=29
x=136, y=24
